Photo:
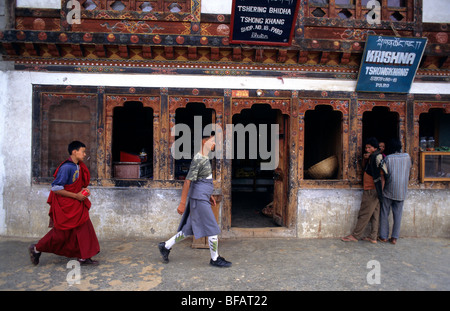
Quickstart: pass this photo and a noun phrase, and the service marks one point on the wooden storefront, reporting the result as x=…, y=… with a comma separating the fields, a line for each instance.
x=176, y=39
x=291, y=110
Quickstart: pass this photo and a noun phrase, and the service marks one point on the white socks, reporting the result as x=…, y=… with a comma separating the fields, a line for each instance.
x=176, y=238
x=213, y=242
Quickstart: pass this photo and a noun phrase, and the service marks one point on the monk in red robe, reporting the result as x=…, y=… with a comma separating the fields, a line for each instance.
x=72, y=234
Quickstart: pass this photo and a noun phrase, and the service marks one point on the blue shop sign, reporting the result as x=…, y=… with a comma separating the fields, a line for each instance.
x=389, y=64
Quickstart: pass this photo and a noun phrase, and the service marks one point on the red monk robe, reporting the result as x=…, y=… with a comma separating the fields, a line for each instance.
x=72, y=234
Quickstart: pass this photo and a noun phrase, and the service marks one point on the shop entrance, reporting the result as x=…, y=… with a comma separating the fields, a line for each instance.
x=259, y=191
x=380, y=123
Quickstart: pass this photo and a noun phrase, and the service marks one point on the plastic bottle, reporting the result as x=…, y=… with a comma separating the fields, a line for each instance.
x=430, y=144
x=423, y=144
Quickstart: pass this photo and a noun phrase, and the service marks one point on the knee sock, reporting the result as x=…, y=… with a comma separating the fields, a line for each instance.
x=176, y=238
x=213, y=242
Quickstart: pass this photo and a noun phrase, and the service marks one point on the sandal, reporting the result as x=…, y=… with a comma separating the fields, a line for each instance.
x=393, y=241
x=382, y=240
x=349, y=238
x=370, y=240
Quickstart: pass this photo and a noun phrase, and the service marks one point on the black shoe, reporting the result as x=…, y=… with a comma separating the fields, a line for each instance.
x=88, y=261
x=34, y=257
x=164, y=251
x=220, y=262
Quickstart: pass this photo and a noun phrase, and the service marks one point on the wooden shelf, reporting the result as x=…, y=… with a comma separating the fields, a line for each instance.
x=434, y=166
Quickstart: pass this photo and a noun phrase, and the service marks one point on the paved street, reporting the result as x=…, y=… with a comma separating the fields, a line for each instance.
x=258, y=265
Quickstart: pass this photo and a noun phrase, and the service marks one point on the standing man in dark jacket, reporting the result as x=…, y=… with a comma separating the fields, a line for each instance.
x=373, y=180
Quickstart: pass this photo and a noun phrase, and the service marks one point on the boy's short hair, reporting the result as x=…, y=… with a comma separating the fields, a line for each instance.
x=75, y=145
x=395, y=145
x=373, y=142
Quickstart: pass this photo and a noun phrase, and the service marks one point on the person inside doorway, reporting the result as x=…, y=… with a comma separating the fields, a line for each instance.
x=382, y=147
x=195, y=206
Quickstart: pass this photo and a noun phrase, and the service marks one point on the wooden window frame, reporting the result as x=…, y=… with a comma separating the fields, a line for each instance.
x=409, y=108
x=423, y=155
x=43, y=102
x=214, y=103
x=420, y=107
x=113, y=101
x=133, y=11
x=338, y=104
x=358, y=10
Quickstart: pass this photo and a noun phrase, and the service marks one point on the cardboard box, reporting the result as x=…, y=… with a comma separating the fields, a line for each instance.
x=127, y=169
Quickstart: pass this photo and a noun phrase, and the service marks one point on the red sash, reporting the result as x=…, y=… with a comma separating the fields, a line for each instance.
x=67, y=213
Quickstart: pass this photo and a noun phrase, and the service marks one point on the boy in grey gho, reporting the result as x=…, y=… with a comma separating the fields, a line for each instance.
x=196, y=200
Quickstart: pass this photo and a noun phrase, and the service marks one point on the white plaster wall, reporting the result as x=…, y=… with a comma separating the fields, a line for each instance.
x=42, y=4
x=436, y=11
x=15, y=151
x=23, y=208
x=326, y=213
x=115, y=212
x=217, y=7
x=426, y=213
x=212, y=6
x=22, y=81
x=3, y=108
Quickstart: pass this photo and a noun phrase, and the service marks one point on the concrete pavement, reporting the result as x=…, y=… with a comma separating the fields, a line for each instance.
x=258, y=265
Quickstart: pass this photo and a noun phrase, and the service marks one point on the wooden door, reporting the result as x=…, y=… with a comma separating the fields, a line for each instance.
x=281, y=172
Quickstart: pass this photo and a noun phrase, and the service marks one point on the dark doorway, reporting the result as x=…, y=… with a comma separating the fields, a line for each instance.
x=133, y=136
x=187, y=116
x=252, y=187
x=381, y=124
x=323, y=138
